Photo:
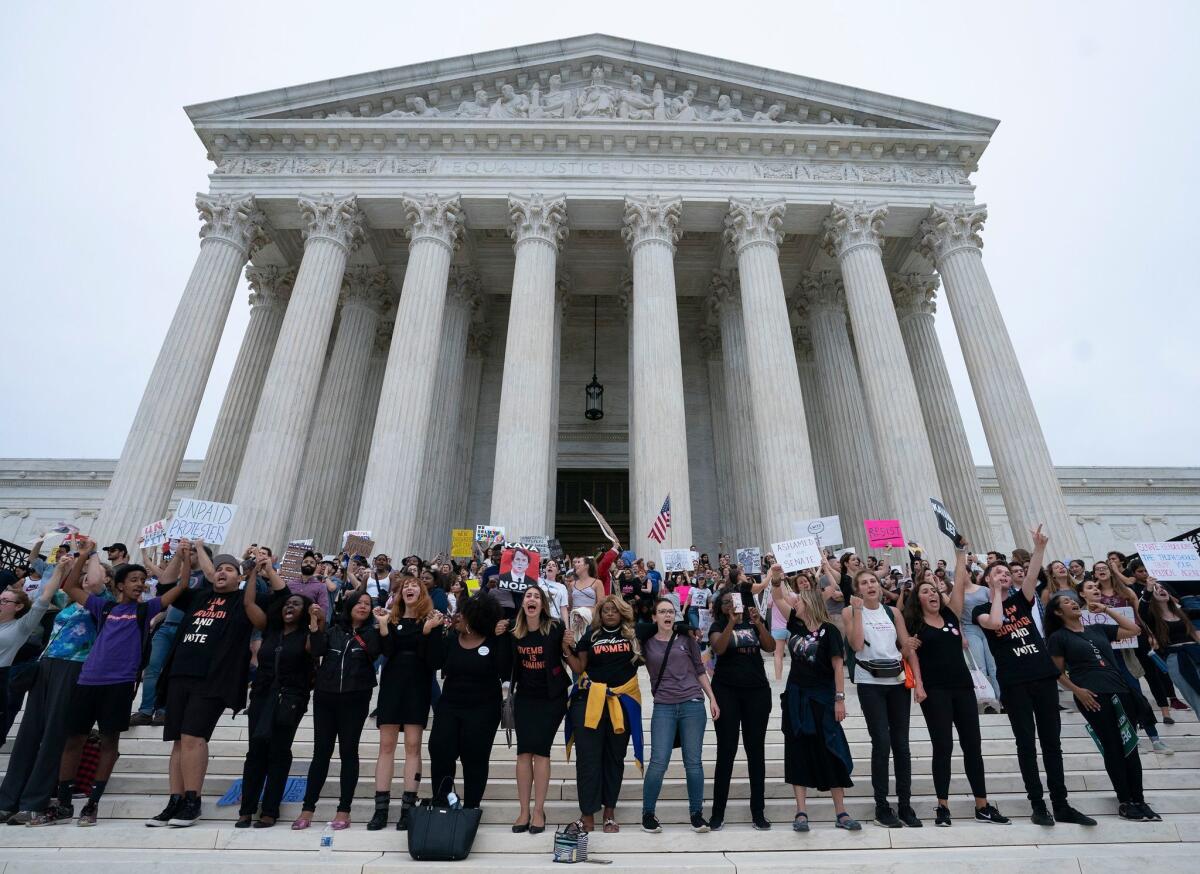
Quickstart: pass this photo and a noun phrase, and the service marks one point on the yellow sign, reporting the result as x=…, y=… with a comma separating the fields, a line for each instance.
x=460, y=542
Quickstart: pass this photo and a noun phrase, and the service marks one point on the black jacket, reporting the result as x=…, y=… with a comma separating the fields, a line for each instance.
x=347, y=658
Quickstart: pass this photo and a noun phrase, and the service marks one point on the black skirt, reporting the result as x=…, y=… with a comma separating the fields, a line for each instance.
x=405, y=692
x=537, y=722
x=807, y=761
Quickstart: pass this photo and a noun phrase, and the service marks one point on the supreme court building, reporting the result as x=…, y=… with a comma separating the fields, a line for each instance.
x=438, y=253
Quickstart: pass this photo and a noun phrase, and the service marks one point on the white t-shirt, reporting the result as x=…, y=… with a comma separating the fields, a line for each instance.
x=557, y=595
x=880, y=633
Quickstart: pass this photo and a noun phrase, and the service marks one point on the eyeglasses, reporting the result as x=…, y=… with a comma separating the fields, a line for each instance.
x=9, y=601
x=664, y=612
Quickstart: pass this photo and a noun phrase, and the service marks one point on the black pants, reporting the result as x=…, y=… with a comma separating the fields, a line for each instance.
x=599, y=759
x=886, y=710
x=268, y=762
x=1125, y=771
x=337, y=717
x=1034, y=707
x=1157, y=679
x=747, y=710
x=466, y=734
x=946, y=711
x=33, y=761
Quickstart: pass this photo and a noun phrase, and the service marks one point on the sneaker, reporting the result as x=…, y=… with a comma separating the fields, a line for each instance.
x=1176, y=704
x=187, y=814
x=87, y=816
x=884, y=816
x=1149, y=815
x=989, y=813
x=650, y=823
x=716, y=824
x=6, y=815
x=167, y=814
x=1069, y=814
x=21, y=817
x=139, y=719
x=1132, y=812
x=1160, y=746
x=159, y=718
x=942, y=817
x=1040, y=815
x=761, y=823
x=849, y=823
x=698, y=824
x=908, y=816
x=1167, y=720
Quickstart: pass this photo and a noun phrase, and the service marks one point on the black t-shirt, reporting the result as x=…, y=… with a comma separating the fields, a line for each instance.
x=1089, y=657
x=200, y=637
x=473, y=676
x=609, y=656
x=529, y=666
x=283, y=656
x=943, y=665
x=1020, y=652
x=742, y=663
x=812, y=651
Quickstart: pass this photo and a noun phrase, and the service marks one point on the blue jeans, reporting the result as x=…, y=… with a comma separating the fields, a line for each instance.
x=160, y=647
x=690, y=719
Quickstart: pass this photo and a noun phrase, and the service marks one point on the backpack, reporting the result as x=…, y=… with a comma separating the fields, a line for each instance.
x=143, y=623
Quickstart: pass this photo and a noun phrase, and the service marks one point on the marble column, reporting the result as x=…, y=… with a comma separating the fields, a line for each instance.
x=521, y=471
x=950, y=239
x=853, y=461
x=232, y=228
x=478, y=343
x=266, y=487
x=326, y=469
x=853, y=234
x=270, y=288
x=392, y=487
x=787, y=484
x=442, y=464
x=914, y=294
x=710, y=340
x=726, y=306
x=818, y=421
x=361, y=449
x=658, y=417
x=562, y=286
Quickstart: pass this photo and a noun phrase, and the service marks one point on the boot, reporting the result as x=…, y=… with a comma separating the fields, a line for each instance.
x=383, y=800
x=407, y=802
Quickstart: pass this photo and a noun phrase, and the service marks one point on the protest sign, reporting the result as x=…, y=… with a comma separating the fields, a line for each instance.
x=849, y=550
x=489, y=535
x=201, y=520
x=1087, y=617
x=604, y=526
x=750, y=558
x=460, y=543
x=676, y=560
x=154, y=534
x=356, y=544
x=797, y=554
x=519, y=568
x=289, y=566
x=540, y=542
x=945, y=523
x=1174, y=560
x=556, y=550
x=882, y=533
x=827, y=529
x=346, y=535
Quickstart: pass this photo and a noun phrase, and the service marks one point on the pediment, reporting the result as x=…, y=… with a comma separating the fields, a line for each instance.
x=590, y=80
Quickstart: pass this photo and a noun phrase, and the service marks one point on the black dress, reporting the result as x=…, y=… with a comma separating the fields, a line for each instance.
x=406, y=682
x=815, y=752
x=541, y=683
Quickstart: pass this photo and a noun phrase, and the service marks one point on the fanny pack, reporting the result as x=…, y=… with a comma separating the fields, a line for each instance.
x=881, y=669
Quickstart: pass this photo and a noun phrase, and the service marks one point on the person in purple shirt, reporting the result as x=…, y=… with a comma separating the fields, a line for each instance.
x=309, y=585
x=104, y=691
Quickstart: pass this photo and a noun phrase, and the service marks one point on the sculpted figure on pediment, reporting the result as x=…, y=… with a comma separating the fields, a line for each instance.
x=597, y=100
x=681, y=109
x=555, y=103
x=477, y=108
x=420, y=109
x=510, y=104
x=634, y=103
x=774, y=113
x=725, y=110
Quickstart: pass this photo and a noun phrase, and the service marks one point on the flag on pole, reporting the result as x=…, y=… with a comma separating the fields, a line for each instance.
x=658, y=531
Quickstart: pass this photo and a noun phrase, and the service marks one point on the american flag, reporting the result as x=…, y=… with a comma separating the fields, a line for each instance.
x=658, y=531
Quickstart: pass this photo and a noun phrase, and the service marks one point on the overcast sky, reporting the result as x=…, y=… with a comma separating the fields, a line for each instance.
x=1091, y=179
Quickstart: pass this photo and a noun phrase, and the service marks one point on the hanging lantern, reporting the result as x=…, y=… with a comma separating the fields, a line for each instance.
x=595, y=391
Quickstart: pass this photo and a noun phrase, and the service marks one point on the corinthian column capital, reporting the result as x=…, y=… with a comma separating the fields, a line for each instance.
x=270, y=286
x=914, y=293
x=537, y=217
x=822, y=291
x=754, y=220
x=853, y=224
x=434, y=218
x=651, y=218
x=337, y=219
x=367, y=287
x=951, y=227
x=234, y=220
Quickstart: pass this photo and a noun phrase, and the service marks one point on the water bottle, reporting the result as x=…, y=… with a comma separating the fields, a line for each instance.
x=327, y=840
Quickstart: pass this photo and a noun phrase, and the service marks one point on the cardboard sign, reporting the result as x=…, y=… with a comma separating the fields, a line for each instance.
x=882, y=533
x=1174, y=560
x=674, y=560
x=540, y=542
x=289, y=566
x=359, y=545
x=346, y=535
x=201, y=520
x=750, y=558
x=460, y=543
x=797, y=554
x=154, y=534
x=1087, y=617
x=604, y=526
x=945, y=523
x=489, y=535
x=827, y=529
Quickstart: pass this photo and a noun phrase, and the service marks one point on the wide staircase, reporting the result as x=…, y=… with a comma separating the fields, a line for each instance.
x=139, y=787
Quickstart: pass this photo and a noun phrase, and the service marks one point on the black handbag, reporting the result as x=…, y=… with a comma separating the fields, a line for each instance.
x=22, y=676
x=441, y=833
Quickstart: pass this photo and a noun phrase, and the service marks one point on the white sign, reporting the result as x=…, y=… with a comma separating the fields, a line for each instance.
x=201, y=520
x=827, y=529
x=1087, y=617
x=1176, y=560
x=540, y=542
x=676, y=560
x=489, y=535
x=346, y=535
x=795, y=555
x=155, y=534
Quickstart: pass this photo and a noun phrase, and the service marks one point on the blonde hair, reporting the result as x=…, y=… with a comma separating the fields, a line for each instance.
x=521, y=626
x=627, y=630
x=814, y=607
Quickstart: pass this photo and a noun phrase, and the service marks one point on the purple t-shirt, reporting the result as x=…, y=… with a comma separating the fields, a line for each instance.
x=315, y=590
x=116, y=655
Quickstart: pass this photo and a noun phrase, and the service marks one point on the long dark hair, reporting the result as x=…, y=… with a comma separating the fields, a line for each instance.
x=1157, y=611
x=914, y=616
x=348, y=604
